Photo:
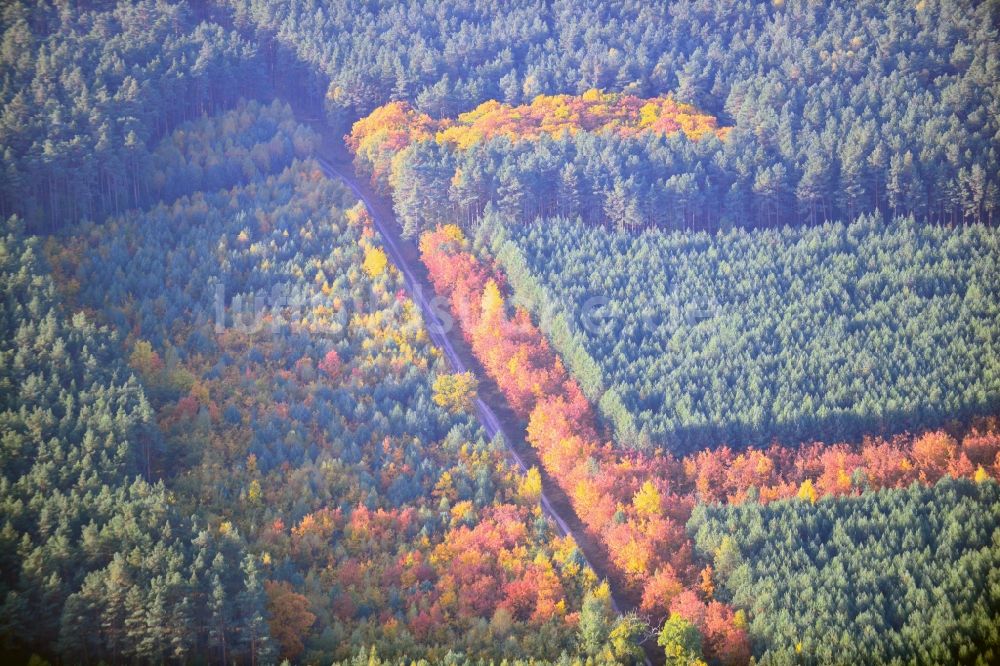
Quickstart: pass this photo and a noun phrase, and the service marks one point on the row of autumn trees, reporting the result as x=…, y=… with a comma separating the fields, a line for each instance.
x=87, y=90
x=820, y=145
x=606, y=157
x=836, y=108
x=628, y=505
x=636, y=504
x=832, y=332
x=663, y=174
x=298, y=413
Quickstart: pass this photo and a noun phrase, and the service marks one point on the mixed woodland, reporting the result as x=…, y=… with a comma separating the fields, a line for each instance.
x=731, y=265
x=308, y=441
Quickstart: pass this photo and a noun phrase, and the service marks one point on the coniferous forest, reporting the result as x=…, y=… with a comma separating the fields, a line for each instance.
x=548, y=332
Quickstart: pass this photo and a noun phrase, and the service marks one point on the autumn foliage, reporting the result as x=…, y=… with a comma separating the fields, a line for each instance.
x=379, y=137
x=629, y=504
x=455, y=392
x=290, y=617
x=637, y=504
x=593, y=111
x=486, y=564
x=815, y=470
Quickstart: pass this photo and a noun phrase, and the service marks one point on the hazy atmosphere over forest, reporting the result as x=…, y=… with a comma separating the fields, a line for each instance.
x=536, y=332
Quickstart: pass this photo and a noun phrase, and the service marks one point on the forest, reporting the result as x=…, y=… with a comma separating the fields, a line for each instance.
x=829, y=332
x=887, y=576
x=829, y=112
x=635, y=502
x=310, y=430
x=724, y=273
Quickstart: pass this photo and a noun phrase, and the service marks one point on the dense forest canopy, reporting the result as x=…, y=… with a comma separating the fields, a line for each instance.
x=86, y=91
x=835, y=110
x=307, y=424
x=906, y=575
x=728, y=268
x=97, y=559
x=827, y=332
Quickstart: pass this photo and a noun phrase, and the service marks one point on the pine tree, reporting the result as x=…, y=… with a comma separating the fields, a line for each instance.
x=568, y=192
x=251, y=604
x=511, y=194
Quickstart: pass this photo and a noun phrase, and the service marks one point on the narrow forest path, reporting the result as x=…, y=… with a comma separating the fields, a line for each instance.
x=495, y=414
x=418, y=290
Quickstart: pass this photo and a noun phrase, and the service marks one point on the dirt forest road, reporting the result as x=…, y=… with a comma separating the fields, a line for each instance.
x=495, y=414
x=496, y=419
x=438, y=332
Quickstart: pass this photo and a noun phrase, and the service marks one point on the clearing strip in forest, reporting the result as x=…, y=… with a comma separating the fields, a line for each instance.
x=495, y=418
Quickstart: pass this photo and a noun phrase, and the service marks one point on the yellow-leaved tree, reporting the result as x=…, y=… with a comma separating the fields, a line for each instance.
x=145, y=359
x=375, y=261
x=492, y=301
x=455, y=392
x=530, y=488
x=647, y=500
x=807, y=491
